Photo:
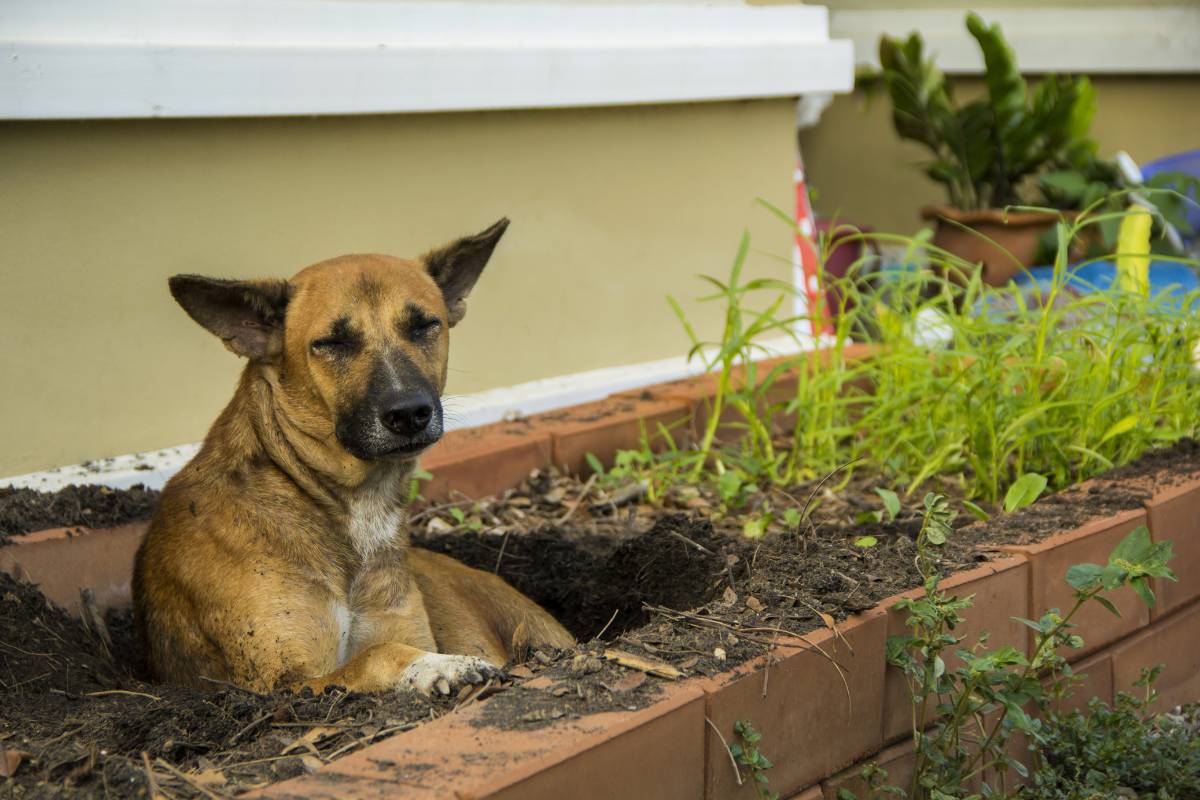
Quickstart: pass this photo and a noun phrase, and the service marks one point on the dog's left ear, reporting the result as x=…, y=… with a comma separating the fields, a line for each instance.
x=456, y=266
x=246, y=315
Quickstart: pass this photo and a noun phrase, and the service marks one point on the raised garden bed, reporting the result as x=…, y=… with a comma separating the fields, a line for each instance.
x=743, y=630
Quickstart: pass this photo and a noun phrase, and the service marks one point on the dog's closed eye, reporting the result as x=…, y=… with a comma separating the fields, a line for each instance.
x=333, y=346
x=418, y=325
x=341, y=340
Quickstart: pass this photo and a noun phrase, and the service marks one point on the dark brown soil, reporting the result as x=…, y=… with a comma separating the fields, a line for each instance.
x=28, y=510
x=678, y=586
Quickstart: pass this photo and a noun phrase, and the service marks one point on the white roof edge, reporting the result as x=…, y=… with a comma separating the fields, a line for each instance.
x=1128, y=39
x=187, y=58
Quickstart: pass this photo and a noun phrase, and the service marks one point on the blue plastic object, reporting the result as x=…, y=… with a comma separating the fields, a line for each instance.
x=1096, y=276
x=1187, y=163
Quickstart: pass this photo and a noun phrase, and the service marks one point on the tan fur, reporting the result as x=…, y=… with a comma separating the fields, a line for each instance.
x=275, y=551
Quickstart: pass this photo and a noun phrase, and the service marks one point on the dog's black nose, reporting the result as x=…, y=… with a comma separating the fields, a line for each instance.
x=408, y=417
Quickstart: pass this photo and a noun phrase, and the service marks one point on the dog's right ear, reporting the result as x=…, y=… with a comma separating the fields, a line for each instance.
x=246, y=315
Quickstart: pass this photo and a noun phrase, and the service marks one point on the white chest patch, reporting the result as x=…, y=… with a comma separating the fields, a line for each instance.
x=376, y=514
x=344, y=621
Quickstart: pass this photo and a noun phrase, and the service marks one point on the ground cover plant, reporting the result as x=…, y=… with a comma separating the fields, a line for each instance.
x=1119, y=750
x=984, y=704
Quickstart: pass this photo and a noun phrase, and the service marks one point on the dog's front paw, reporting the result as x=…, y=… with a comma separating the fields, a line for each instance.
x=440, y=673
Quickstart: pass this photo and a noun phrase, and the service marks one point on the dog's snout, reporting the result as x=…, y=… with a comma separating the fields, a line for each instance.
x=408, y=417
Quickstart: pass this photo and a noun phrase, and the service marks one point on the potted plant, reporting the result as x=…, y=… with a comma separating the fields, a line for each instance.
x=1008, y=160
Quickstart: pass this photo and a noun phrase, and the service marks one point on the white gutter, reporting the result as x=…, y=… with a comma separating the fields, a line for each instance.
x=205, y=58
x=1135, y=38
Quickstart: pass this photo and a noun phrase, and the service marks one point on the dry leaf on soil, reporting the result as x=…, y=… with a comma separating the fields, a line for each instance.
x=10, y=762
x=309, y=740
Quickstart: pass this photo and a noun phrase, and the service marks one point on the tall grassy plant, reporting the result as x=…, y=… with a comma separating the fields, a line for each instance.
x=1055, y=383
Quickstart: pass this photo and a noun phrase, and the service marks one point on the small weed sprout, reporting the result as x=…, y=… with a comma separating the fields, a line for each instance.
x=746, y=754
x=415, y=480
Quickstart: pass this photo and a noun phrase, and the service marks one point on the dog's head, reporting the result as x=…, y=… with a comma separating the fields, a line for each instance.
x=359, y=344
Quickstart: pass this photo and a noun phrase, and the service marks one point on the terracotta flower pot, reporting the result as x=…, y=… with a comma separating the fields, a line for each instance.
x=1003, y=243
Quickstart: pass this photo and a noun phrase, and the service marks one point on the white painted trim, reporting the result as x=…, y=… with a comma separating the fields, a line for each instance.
x=200, y=58
x=1130, y=39
x=153, y=469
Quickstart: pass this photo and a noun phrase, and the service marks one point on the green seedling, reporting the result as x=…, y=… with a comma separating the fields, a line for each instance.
x=1024, y=491
x=415, y=480
x=746, y=753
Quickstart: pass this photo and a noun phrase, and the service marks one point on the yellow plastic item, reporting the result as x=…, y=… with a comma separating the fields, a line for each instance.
x=1133, y=252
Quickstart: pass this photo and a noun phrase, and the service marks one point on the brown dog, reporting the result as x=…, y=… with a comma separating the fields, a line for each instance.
x=277, y=556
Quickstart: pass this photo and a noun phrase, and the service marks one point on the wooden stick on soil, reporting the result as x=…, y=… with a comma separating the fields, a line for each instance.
x=694, y=544
x=804, y=515
x=107, y=692
x=737, y=773
x=233, y=739
x=583, y=493
x=189, y=781
x=227, y=685
x=500, y=557
x=605, y=628
x=152, y=784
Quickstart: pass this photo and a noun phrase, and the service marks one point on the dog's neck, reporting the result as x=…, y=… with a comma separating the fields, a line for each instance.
x=365, y=501
x=376, y=509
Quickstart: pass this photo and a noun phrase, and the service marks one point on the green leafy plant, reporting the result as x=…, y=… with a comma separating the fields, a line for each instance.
x=1119, y=751
x=984, y=150
x=746, y=753
x=1015, y=146
x=1058, y=387
x=982, y=704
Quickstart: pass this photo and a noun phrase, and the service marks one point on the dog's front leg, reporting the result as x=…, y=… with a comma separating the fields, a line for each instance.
x=392, y=665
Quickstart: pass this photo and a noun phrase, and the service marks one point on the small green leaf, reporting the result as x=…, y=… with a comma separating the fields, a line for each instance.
x=595, y=464
x=1134, y=547
x=1142, y=587
x=1024, y=491
x=866, y=541
x=1104, y=601
x=755, y=527
x=1084, y=577
x=868, y=517
x=891, y=502
x=1123, y=425
x=976, y=511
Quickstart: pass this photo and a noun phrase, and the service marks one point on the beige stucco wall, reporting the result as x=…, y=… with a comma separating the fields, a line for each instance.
x=862, y=172
x=611, y=208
